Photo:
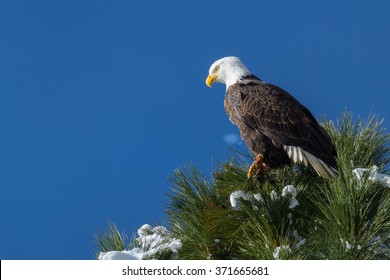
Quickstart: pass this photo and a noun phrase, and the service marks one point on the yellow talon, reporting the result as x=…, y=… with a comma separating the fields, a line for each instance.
x=257, y=165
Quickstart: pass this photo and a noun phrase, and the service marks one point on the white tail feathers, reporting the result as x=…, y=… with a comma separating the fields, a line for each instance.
x=297, y=155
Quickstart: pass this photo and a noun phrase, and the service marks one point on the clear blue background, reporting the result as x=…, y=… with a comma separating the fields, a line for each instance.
x=101, y=100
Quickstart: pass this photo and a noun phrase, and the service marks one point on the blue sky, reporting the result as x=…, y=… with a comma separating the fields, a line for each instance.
x=102, y=100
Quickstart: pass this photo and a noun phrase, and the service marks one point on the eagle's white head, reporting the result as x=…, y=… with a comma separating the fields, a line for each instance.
x=228, y=70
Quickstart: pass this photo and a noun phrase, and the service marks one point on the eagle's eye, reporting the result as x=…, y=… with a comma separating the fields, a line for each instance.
x=216, y=68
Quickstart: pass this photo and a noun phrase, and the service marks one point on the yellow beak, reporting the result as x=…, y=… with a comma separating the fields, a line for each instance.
x=211, y=79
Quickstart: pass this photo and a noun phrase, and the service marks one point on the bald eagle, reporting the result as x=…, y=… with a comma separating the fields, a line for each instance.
x=274, y=125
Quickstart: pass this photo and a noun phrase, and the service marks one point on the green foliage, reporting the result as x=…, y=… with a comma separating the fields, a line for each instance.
x=339, y=218
x=192, y=211
x=359, y=143
x=112, y=239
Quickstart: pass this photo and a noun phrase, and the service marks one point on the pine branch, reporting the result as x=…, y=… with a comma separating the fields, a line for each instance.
x=112, y=239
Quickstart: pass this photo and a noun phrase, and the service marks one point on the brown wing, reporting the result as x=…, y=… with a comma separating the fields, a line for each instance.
x=274, y=112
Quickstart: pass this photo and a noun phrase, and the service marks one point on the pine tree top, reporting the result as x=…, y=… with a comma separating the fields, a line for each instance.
x=291, y=213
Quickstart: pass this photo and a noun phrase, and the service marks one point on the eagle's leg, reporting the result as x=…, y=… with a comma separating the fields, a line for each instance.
x=257, y=165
